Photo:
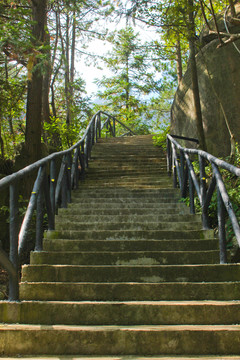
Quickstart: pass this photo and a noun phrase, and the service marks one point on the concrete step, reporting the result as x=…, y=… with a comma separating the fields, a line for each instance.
x=101, y=209
x=130, y=185
x=128, y=357
x=128, y=273
x=121, y=313
x=130, y=291
x=128, y=234
x=126, y=159
x=118, y=171
x=98, y=218
x=162, y=207
x=129, y=245
x=70, y=224
x=125, y=156
x=125, y=257
x=125, y=193
x=132, y=274
x=132, y=202
x=125, y=340
x=151, y=178
x=131, y=168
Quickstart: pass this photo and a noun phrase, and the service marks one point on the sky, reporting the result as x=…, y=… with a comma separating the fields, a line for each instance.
x=89, y=72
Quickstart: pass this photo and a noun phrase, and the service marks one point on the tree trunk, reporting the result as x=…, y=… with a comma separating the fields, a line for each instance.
x=1, y=142
x=35, y=82
x=46, y=84
x=67, y=85
x=73, y=47
x=179, y=60
x=127, y=88
x=194, y=75
x=9, y=116
x=232, y=7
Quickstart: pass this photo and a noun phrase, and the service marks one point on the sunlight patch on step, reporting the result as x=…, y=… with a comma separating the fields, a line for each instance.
x=139, y=261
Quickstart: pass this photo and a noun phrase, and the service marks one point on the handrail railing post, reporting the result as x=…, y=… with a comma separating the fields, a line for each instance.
x=182, y=167
x=30, y=209
x=68, y=176
x=86, y=149
x=39, y=221
x=221, y=229
x=169, y=159
x=13, y=229
x=174, y=170
x=96, y=127
x=75, y=170
x=64, y=185
x=106, y=129
x=53, y=184
x=99, y=125
x=93, y=132
x=114, y=127
x=82, y=161
x=191, y=193
x=49, y=209
x=203, y=192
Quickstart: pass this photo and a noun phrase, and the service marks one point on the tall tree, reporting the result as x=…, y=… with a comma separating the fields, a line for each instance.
x=194, y=76
x=133, y=76
x=35, y=81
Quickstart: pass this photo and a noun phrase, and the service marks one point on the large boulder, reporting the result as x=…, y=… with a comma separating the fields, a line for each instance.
x=219, y=93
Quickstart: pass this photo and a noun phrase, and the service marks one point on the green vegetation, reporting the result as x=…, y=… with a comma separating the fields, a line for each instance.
x=43, y=97
x=232, y=184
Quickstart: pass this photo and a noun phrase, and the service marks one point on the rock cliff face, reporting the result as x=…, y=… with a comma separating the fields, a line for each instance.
x=223, y=89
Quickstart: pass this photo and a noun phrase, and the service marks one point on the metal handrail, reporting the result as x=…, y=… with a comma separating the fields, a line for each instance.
x=184, y=176
x=54, y=190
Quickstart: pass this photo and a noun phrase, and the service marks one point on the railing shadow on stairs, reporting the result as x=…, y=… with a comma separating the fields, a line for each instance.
x=179, y=164
x=50, y=188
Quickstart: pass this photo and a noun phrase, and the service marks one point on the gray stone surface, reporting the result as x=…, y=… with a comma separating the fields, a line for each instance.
x=223, y=66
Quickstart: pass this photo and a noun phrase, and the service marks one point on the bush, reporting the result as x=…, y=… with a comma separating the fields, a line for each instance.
x=161, y=138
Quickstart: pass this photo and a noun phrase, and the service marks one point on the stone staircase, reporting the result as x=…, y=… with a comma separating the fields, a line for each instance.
x=128, y=273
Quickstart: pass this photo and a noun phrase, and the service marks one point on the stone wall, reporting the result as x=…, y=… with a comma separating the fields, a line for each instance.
x=223, y=64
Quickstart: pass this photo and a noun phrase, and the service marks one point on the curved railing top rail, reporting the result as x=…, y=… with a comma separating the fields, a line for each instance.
x=51, y=190
x=7, y=180
x=185, y=177
x=223, y=164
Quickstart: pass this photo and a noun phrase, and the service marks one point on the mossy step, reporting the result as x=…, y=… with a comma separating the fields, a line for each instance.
x=114, y=192
x=125, y=200
x=115, y=174
x=126, y=159
x=118, y=164
x=157, y=274
x=144, y=176
x=129, y=291
x=127, y=168
x=121, y=313
x=132, y=183
x=126, y=245
x=84, y=209
x=135, y=225
x=113, y=340
x=110, y=155
x=127, y=218
x=125, y=257
x=128, y=234
x=123, y=357
x=128, y=185
x=154, y=207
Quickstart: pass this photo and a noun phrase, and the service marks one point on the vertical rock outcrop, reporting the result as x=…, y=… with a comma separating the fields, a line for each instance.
x=220, y=90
